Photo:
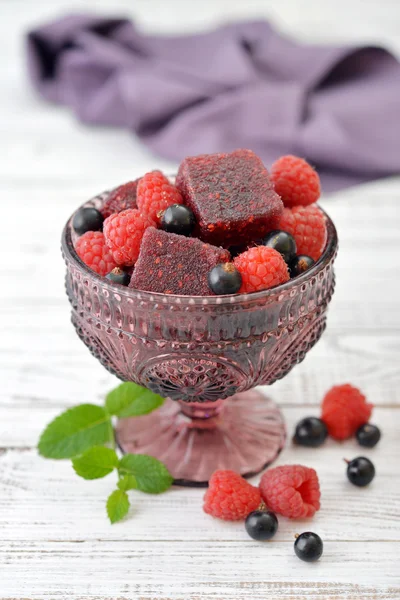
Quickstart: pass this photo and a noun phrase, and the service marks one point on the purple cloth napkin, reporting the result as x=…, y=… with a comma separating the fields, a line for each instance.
x=239, y=86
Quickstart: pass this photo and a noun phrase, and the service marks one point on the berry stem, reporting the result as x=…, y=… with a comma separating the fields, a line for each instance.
x=296, y=535
x=346, y=461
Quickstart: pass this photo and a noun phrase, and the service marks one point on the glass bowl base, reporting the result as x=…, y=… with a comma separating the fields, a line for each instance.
x=244, y=433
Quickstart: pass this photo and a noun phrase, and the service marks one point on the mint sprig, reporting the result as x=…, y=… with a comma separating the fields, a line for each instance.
x=117, y=505
x=131, y=400
x=85, y=434
x=128, y=482
x=95, y=463
x=149, y=474
x=75, y=431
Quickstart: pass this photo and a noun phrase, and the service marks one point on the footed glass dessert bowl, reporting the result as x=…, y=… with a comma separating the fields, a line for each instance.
x=204, y=355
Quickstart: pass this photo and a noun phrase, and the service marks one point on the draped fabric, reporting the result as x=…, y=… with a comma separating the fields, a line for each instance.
x=239, y=86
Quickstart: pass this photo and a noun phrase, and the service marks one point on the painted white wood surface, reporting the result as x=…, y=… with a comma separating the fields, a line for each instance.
x=55, y=540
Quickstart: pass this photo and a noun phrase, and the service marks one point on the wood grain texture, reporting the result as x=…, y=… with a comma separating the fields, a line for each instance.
x=48, y=502
x=216, y=570
x=55, y=540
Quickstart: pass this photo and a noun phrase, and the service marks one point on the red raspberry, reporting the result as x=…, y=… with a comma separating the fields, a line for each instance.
x=155, y=193
x=291, y=490
x=344, y=410
x=295, y=181
x=122, y=198
x=307, y=225
x=92, y=249
x=123, y=233
x=261, y=268
x=230, y=497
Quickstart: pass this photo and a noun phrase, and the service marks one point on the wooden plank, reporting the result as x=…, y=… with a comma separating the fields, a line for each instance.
x=197, y=570
x=44, y=500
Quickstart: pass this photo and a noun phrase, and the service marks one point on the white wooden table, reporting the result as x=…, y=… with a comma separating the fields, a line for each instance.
x=55, y=540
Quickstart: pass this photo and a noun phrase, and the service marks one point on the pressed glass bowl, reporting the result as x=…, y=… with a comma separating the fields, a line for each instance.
x=204, y=355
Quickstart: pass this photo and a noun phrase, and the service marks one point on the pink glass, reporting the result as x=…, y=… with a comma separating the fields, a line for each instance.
x=204, y=355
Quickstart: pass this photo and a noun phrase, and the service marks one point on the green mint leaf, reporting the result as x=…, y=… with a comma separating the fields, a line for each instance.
x=117, y=505
x=150, y=474
x=96, y=462
x=131, y=400
x=128, y=482
x=74, y=431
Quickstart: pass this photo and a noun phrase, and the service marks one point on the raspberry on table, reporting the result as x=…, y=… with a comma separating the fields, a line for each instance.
x=291, y=490
x=123, y=232
x=231, y=196
x=155, y=193
x=175, y=264
x=261, y=268
x=344, y=410
x=296, y=182
x=230, y=497
x=92, y=249
x=122, y=198
x=308, y=227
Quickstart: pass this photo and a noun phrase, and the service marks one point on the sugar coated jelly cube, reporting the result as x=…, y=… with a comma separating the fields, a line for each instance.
x=231, y=195
x=174, y=264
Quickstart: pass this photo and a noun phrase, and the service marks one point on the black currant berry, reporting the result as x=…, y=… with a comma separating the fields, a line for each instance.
x=224, y=279
x=309, y=546
x=282, y=242
x=360, y=471
x=311, y=432
x=261, y=525
x=368, y=435
x=178, y=219
x=87, y=219
x=300, y=264
x=117, y=275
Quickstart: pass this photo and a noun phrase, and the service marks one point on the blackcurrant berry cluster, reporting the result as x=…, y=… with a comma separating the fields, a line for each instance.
x=262, y=525
x=312, y=432
x=285, y=244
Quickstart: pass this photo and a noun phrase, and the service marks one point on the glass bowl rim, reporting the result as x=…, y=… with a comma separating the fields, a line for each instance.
x=325, y=259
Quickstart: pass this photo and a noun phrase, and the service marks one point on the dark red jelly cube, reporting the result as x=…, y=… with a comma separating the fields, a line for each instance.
x=121, y=198
x=174, y=264
x=231, y=195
